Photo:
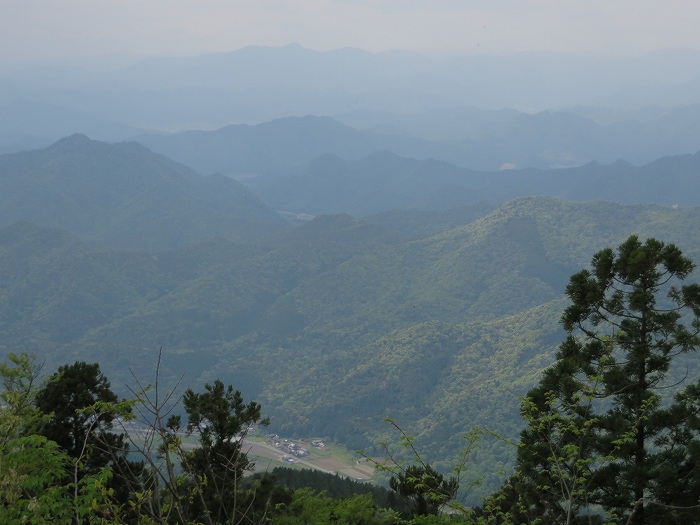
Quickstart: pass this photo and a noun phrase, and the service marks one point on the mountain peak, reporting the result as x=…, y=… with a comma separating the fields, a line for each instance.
x=74, y=139
x=127, y=197
x=79, y=144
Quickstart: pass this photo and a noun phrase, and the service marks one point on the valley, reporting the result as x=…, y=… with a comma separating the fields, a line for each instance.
x=437, y=318
x=376, y=247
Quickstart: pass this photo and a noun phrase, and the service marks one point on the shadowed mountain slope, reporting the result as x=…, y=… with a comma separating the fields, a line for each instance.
x=126, y=196
x=282, y=144
x=471, y=138
x=383, y=181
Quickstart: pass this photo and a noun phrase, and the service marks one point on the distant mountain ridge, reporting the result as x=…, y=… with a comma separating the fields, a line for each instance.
x=264, y=148
x=383, y=181
x=103, y=192
x=253, y=85
x=471, y=138
x=126, y=196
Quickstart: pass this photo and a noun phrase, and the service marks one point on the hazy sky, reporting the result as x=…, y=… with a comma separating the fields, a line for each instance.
x=31, y=29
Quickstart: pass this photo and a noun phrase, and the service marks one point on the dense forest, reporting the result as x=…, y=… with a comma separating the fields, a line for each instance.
x=294, y=262
x=606, y=440
x=404, y=308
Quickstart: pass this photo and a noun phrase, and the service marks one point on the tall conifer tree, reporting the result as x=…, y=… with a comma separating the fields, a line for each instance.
x=597, y=431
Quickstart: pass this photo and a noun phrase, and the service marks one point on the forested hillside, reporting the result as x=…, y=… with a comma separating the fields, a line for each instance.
x=349, y=262
x=336, y=325
x=125, y=196
x=440, y=317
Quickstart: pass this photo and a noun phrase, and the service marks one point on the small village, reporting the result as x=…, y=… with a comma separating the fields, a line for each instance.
x=292, y=448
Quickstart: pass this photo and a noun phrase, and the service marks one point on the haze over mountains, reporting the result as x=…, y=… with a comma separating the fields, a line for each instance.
x=633, y=109
x=343, y=235
x=544, y=140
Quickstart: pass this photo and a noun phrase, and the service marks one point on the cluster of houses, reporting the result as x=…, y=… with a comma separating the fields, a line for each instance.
x=291, y=448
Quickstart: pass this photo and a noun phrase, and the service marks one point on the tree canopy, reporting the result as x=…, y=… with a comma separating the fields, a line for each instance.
x=600, y=433
x=64, y=398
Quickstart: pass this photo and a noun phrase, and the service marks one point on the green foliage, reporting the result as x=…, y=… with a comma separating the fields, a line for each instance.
x=336, y=325
x=79, y=432
x=32, y=468
x=213, y=470
x=308, y=507
x=597, y=435
x=335, y=486
x=676, y=477
x=425, y=490
x=44, y=482
x=38, y=484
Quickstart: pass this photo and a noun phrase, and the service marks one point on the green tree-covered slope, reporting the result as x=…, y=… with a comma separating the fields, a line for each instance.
x=127, y=197
x=339, y=323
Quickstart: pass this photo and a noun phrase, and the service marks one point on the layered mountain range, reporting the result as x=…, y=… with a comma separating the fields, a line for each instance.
x=407, y=288
x=479, y=112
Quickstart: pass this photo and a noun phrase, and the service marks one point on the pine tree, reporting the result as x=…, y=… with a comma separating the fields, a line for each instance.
x=597, y=431
x=220, y=419
x=63, y=399
x=80, y=409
